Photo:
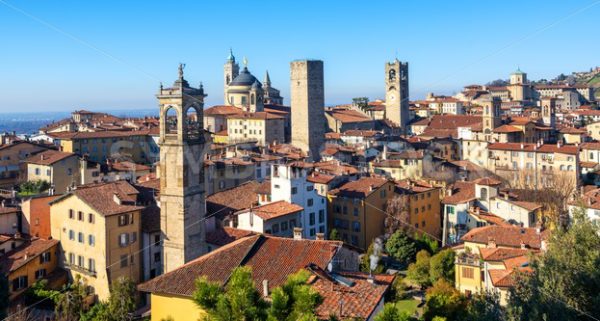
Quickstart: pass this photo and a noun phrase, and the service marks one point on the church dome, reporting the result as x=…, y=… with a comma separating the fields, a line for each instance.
x=245, y=78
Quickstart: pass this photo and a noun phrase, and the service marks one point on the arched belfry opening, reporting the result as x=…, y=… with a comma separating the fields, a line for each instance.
x=193, y=122
x=171, y=121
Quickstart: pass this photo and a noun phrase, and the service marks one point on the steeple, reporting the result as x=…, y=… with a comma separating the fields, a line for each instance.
x=231, y=56
x=267, y=82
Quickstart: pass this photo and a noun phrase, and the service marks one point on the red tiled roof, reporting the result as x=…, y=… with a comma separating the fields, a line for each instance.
x=530, y=147
x=107, y=198
x=8, y=210
x=48, y=157
x=126, y=166
x=271, y=258
x=237, y=198
x=26, y=252
x=226, y=235
x=506, y=236
x=319, y=178
x=462, y=192
x=222, y=110
x=360, y=188
x=348, y=116
x=275, y=210
x=507, y=129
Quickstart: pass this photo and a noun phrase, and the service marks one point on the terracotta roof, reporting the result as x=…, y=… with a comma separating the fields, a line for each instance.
x=361, y=133
x=507, y=129
x=462, y=192
x=393, y=163
x=360, y=188
x=588, y=164
x=237, y=198
x=360, y=299
x=487, y=181
x=348, y=116
x=26, y=252
x=255, y=115
x=573, y=131
x=506, y=236
x=48, y=157
x=446, y=125
x=271, y=258
x=501, y=254
x=100, y=134
x=530, y=206
x=530, y=147
x=319, y=178
x=414, y=186
x=9, y=210
x=590, y=198
x=591, y=145
x=222, y=110
x=274, y=210
x=107, y=198
x=225, y=235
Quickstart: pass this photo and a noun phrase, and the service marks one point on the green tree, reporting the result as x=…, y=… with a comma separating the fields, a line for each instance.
x=441, y=266
x=33, y=187
x=391, y=313
x=442, y=299
x=70, y=304
x=334, y=235
x=425, y=242
x=121, y=302
x=565, y=280
x=418, y=272
x=295, y=300
x=238, y=301
x=485, y=307
x=401, y=247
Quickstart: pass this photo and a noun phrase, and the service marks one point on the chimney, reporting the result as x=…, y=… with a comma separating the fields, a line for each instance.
x=491, y=243
x=297, y=233
x=116, y=199
x=265, y=284
x=320, y=236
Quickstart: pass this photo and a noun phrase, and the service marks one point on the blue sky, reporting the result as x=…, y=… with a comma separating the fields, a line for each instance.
x=112, y=54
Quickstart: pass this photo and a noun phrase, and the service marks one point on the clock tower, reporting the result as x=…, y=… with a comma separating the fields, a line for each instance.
x=396, y=93
x=182, y=194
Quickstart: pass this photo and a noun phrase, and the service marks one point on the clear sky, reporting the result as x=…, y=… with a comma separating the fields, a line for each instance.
x=101, y=55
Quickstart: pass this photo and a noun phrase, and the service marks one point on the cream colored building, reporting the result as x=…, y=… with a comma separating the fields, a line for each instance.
x=98, y=227
x=260, y=127
x=60, y=169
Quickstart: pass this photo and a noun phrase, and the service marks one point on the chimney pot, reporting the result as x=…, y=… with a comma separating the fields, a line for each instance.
x=265, y=288
x=297, y=233
x=320, y=236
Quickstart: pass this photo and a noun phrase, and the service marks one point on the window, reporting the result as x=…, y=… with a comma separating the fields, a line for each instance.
x=37, y=171
x=321, y=216
x=311, y=218
x=48, y=172
x=80, y=215
x=294, y=190
x=20, y=283
x=80, y=237
x=80, y=261
x=157, y=257
x=467, y=272
x=312, y=232
x=284, y=226
x=354, y=240
x=92, y=265
x=123, y=239
x=45, y=257
x=91, y=218
x=156, y=240
x=133, y=237
x=483, y=193
x=356, y=226
x=310, y=202
x=309, y=188
x=450, y=209
x=275, y=228
x=40, y=274
x=124, y=261
x=71, y=258
x=69, y=171
x=71, y=235
x=292, y=223
x=91, y=240
x=123, y=220
x=71, y=214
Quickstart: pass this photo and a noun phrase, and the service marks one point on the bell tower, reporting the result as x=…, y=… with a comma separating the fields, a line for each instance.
x=182, y=193
x=230, y=71
x=396, y=93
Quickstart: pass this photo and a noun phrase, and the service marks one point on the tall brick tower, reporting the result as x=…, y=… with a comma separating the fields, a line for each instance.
x=182, y=195
x=308, y=106
x=396, y=93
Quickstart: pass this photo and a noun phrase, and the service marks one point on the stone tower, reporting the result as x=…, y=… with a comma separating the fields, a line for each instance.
x=491, y=115
x=308, y=106
x=230, y=71
x=396, y=93
x=182, y=147
x=548, y=105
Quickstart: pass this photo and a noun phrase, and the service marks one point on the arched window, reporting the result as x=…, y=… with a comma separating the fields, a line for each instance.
x=392, y=75
x=252, y=99
x=171, y=121
x=483, y=192
x=193, y=123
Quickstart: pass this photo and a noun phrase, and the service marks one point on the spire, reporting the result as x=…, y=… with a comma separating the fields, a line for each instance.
x=267, y=81
x=245, y=61
x=231, y=56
